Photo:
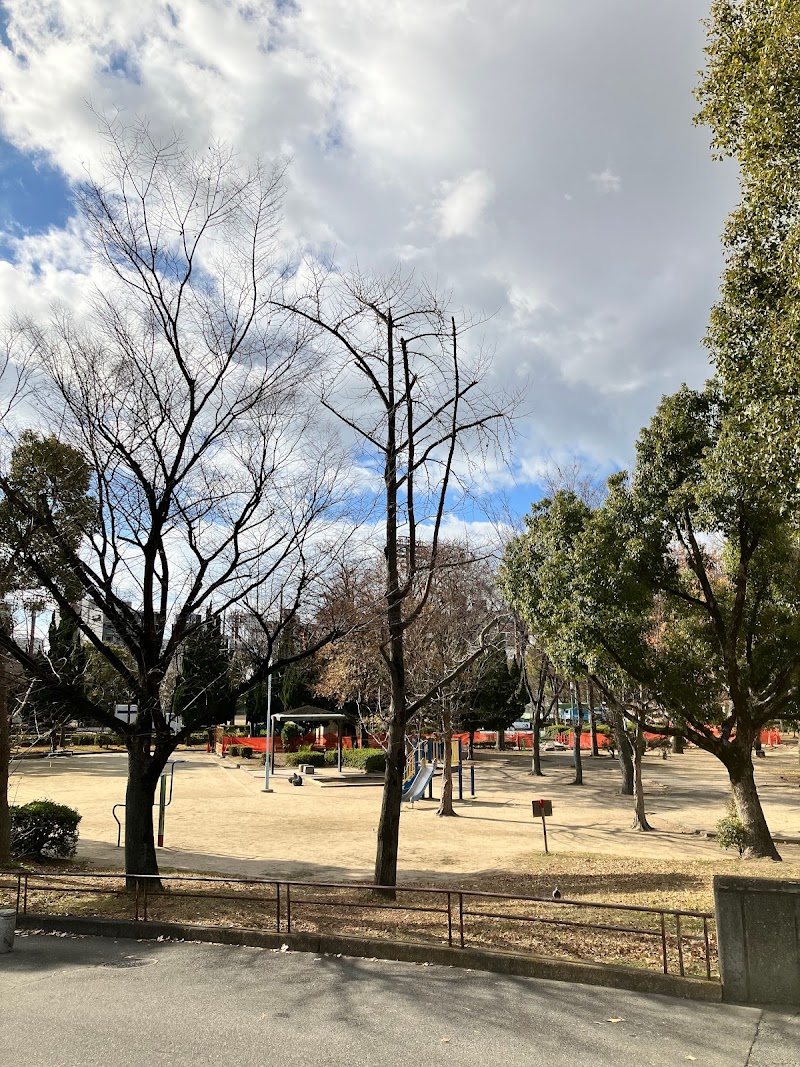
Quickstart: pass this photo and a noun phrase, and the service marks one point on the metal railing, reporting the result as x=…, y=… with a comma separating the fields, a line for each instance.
x=673, y=941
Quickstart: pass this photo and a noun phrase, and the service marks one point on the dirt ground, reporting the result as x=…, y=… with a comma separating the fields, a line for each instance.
x=221, y=821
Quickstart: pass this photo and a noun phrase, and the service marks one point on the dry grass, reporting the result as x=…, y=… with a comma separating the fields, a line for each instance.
x=418, y=916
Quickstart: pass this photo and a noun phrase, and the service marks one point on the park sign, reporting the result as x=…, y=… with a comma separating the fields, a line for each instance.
x=541, y=809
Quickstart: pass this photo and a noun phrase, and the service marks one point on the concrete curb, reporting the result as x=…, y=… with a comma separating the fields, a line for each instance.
x=613, y=977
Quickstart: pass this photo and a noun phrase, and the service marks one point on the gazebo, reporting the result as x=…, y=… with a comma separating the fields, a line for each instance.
x=308, y=713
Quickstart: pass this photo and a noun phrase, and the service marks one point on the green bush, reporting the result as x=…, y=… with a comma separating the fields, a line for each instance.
x=731, y=833
x=198, y=738
x=370, y=760
x=289, y=734
x=305, y=755
x=234, y=750
x=246, y=752
x=44, y=829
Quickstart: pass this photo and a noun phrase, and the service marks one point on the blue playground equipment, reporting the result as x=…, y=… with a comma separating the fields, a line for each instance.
x=427, y=750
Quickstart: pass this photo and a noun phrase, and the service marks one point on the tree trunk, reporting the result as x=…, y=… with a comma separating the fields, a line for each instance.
x=140, y=845
x=389, y=823
x=446, y=802
x=639, y=818
x=577, y=730
x=593, y=722
x=536, y=742
x=471, y=746
x=5, y=762
x=625, y=753
x=748, y=804
x=677, y=744
x=500, y=740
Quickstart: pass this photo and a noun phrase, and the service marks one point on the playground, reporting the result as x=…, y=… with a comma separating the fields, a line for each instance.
x=220, y=820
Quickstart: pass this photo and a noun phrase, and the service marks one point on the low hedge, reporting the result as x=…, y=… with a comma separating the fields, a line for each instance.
x=44, y=829
x=371, y=760
x=305, y=755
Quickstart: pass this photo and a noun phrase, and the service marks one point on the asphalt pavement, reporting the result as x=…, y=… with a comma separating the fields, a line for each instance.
x=69, y=1001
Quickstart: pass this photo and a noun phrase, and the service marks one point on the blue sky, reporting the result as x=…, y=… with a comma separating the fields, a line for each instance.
x=34, y=195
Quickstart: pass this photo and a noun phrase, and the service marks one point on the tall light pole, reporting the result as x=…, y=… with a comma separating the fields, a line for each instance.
x=270, y=742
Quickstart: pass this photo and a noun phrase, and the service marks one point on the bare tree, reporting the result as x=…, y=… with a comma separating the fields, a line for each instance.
x=424, y=424
x=185, y=391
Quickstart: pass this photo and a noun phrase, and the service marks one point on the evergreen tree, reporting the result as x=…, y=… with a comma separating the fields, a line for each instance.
x=204, y=690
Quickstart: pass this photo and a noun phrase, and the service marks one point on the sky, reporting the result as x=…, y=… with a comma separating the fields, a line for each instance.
x=538, y=157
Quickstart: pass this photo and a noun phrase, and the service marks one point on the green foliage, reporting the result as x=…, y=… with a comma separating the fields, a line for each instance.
x=245, y=752
x=495, y=697
x=630, y=589
x=371, y=760
x=304, y=755
x=44, y=829
x=45, y=512
x=290, y=732
x=204, y=688
x=750, y=100
x=732, y=833
x=255, y=705
x=293, y=685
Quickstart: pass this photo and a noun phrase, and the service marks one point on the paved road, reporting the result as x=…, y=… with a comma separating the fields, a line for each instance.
x=81, y=1001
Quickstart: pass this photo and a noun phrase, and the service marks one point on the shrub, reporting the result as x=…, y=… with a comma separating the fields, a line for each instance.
x=246, y=752
x=370, y=760
x=305, y=755
x=44, y=829
x=289, y=734
x=198, y=738
x=731, y=833
x=234, y=750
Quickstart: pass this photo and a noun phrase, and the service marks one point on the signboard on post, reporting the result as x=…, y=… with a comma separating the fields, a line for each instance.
x=541, y=809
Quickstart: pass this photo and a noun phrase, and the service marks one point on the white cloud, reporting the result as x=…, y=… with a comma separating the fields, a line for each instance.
x=410, y=124
x=606, y=181
x=463, y=204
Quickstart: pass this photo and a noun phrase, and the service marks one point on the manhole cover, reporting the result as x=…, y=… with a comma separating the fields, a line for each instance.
x=129, y=961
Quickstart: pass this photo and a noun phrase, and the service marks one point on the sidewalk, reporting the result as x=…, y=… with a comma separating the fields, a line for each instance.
x=83, y=1001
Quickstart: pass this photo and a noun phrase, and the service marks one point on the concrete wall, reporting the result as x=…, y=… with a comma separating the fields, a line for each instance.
x=758, y=932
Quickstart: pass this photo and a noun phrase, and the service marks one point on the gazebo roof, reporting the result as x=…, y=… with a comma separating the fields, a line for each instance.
x=308, y=713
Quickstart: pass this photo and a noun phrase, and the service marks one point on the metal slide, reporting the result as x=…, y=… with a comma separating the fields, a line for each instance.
x=420, y=783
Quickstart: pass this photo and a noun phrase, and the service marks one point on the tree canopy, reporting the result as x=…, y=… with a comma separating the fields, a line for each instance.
x=684, y=584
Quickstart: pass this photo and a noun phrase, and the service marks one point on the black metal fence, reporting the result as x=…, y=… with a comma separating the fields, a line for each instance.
x=672, y=941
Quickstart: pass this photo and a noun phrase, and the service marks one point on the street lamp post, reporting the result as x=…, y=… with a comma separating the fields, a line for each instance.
x=270, y=740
